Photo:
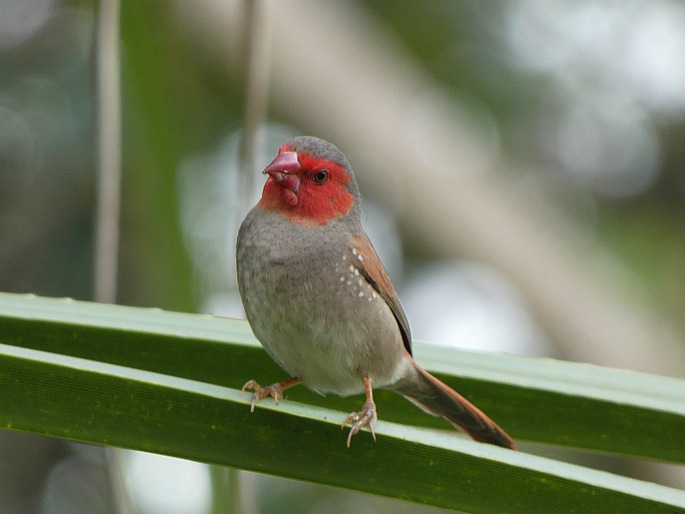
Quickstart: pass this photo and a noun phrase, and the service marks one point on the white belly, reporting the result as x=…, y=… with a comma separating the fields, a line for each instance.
x=318, y=319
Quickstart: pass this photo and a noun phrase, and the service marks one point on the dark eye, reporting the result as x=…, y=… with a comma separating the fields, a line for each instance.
x=320, y=176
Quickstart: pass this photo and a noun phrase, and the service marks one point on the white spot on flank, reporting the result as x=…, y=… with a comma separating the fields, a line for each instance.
x=361, y=294
x=344, y=257
x=360, y=282
x=354, y=251
x=349, y=282
x=356, y=271
x=352, y=270
x=374, y=294
x=342, y=279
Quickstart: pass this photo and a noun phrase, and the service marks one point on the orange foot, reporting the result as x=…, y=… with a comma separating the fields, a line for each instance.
x=275, y=391
x=365, y=417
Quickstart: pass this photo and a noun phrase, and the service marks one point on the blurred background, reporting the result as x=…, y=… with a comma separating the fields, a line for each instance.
x=522, y=166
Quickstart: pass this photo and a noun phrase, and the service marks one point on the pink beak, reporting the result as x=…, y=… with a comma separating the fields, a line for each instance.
x=284, y=169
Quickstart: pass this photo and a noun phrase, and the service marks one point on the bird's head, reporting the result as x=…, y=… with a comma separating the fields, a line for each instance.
x=310, y=182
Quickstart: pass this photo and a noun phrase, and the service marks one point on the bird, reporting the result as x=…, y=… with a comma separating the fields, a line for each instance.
x=320, y=301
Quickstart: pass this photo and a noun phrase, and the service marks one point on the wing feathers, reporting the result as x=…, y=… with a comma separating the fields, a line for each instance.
x=365, y=258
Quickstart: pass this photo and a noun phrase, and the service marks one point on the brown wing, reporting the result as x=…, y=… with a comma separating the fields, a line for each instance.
x=371, y=268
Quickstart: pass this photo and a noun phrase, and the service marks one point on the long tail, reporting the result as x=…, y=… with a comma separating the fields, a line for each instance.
x=437, y=398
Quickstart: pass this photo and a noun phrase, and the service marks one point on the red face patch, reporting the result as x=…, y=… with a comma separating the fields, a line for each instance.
x=321, y=193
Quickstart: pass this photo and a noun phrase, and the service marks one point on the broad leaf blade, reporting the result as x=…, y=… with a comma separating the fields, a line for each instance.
x=533, y=399
x=107, y=404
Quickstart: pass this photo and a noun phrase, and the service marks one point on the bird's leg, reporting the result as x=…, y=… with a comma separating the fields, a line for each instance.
x=274, y=390
x=365, y=417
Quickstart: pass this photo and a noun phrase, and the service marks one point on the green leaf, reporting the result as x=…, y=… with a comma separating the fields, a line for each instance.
x=539, y=400
x=168, y=383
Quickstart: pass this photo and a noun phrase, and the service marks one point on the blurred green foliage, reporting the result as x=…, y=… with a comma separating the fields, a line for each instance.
x=180, y=100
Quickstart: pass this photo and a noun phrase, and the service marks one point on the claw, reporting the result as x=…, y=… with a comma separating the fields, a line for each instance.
x=275, y=391
x=364, y=418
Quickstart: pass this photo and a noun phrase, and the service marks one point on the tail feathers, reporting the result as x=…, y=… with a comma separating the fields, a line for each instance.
x=438, y=399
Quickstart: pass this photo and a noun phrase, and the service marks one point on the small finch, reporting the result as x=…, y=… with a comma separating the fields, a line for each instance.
x=320, y=301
